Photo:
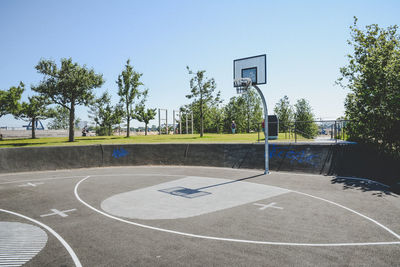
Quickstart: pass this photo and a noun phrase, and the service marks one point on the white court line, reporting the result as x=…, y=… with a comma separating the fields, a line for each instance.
x=81, y=176
x=62, y=241
x=228, y=239
x=353, y=211
x=142, y=174
x=30, y=184
x=43, y=179
x=125, y=167
x=333, y=176
x=183, y=167
x=58, y=212
x=266, y=206
x=198, y=167
x=173, y=175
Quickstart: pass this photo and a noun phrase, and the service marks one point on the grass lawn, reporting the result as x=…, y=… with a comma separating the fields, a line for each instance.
x=140, y=139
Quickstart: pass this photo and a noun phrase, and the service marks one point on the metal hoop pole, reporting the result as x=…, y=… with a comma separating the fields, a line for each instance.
x=266, y=153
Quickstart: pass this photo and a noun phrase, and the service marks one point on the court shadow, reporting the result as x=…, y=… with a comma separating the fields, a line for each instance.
x=195, y=192
x=380, y=190
x=230, y=182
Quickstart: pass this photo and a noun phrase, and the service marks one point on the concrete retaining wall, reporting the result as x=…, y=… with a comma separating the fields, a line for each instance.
x=345, y=160
x=49, y=158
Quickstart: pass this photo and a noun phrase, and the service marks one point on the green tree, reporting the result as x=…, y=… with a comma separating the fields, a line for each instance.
x=212, y=121
x=35, y=109
x=128, y=89
x=105, y=115
x=9, y=100
x=236, y=111
x=304, y=118
x=68, y=86
x=145, y=115
x=284, y=112
x=186, y=111
x=60, y=119
x=245, y=110
x=217, y=117
x=373, y=77
x=202, y=92
x=253, y=108
x=77, y=122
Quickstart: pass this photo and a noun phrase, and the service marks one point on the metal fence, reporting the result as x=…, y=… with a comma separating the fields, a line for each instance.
x=305, y=131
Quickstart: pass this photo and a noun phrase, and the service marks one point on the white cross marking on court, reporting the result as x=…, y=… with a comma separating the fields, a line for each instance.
x=31, y=184
x=57, y=212
x=271, y=205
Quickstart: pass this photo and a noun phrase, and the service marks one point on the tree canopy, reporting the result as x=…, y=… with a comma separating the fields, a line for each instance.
x=253, y=108
x=128, y=89
x=284, y=112
x=213, y=117
x=245, y=110
x=35, y=109
x=373, y=77
x=202, y=91
x=60, y=119
x=9, y=100
x=304, y=118
x=145, y=115
x=69, y=85
x=105, y=115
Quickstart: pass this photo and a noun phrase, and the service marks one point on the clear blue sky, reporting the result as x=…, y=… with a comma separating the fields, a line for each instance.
x=305, y=43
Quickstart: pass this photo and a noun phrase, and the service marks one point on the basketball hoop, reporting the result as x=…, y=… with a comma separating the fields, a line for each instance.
x=252, y=71
x=242, y=84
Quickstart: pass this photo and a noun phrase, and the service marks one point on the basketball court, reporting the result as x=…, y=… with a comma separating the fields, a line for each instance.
x=196, y=216
x=193, y=216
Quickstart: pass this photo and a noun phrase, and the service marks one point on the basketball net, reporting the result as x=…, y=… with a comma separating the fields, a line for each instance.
x=242, y=85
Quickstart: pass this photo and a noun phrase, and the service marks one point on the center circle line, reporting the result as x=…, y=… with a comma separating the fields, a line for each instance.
x=228, y=239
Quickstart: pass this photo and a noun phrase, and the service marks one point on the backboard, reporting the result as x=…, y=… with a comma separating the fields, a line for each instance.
x=254, y=68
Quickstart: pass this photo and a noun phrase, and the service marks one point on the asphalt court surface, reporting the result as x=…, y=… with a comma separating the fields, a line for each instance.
x=193, y=216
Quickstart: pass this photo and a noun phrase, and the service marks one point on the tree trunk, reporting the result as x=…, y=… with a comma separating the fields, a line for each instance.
x=128, y=126
x=201, y=116
x=71, y=122
x=248, y=121
x=128, y=118
x=145, y=129
x=202, y=127
x=33, y=128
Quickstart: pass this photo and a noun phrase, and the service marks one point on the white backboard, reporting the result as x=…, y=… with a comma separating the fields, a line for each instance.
x=254, y=68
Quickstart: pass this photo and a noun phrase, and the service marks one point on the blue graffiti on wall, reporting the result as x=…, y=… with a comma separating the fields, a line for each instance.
x=283, y=152
x=119, y=153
